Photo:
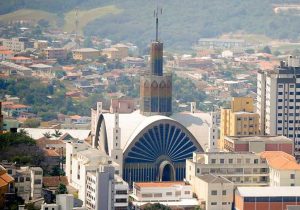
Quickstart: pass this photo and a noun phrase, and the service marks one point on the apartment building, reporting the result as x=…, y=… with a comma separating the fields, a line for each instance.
x=215, y=191
x=278, y=101
x=239, y=120
x=105, y=180
x=85, y=54
x=17, y=44
x=96, y=177
x=243, y=168
x=55, y=53
x=28, y=180
x=262, y=198
x=258, y=144
x=6, y=186
x=283, y=168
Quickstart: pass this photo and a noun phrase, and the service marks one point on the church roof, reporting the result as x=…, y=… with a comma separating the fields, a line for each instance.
x=133, y=123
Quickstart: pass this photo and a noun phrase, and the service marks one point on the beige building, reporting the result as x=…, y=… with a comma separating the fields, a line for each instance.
x=28, y=180
x=40, y=44
x=215, y=191
x=85, y=54
x=55, y=53
x=177, y=194
x=123, y=50
x=239, y=120
x=243, y=168
x=14, y=44
x=283, y=167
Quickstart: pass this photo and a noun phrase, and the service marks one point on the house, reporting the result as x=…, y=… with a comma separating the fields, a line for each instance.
x=55, y=53
x=85, y=54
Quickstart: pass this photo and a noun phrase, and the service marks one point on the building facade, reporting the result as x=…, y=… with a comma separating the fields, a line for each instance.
x=258, y=144
x=96, y=177
x=284, y=169
x=85, y=54
x=215, y=191
x=278, y=101
x=262, y=198
x=239, y=120
x=243, y=169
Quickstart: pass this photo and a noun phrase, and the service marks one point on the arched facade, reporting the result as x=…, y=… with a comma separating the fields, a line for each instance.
x=163, y=141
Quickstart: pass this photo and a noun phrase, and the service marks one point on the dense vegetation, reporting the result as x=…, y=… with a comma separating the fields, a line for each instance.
x=183, y=22
x=20, y=148
x=46, y=100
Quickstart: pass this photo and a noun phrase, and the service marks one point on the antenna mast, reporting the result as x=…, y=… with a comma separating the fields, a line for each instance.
x=156, y=14
x=76, y=28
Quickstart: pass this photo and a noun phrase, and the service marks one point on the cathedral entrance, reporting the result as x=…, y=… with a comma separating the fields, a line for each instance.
x=166, y=171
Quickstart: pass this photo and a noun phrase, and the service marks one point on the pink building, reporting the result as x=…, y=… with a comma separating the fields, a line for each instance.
x=122, y=105
x=258, y=144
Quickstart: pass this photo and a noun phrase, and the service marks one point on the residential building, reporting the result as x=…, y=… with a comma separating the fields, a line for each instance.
x=55, y=53
x=85, y=53
x=43, y=70
x=21, y=60
x=105, y=180
x=176, y=194
x=14, y=44
x=6, y=185
x=283, y=168
x=16, y=109
x=243, y=168
x=262, y=198
x=122, y=50
x=90, y=171
x=239, y=120
x=278, y=101
x=5, y=53
x=28, y=180
x=63, y=202
x=111, y=53
x=40, y=44
x=258, y=144
x=215, y=191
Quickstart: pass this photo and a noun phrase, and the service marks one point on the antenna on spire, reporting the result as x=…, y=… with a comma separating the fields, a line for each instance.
x=157, y=12
x=77, y=28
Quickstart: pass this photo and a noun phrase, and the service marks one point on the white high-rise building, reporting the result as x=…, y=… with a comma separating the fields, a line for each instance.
x=213, y=134
x=96, y=177
x=278, y=101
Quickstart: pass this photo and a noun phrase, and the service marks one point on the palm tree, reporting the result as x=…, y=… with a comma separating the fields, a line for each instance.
x=57, y=134
x=47, y=135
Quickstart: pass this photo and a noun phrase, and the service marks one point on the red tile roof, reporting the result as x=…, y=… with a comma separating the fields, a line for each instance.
x=54, y=181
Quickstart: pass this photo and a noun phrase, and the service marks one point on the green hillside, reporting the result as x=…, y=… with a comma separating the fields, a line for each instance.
x=183, y=21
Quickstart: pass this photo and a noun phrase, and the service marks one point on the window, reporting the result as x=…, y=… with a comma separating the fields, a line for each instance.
x=224, y=203
x=213, y=160
x=9, y=171
x=230, y=160
x=292, y=184
x=224, y=192
x=280, y=93
x=255, y=161
x=222, y=161
x=292, y=176
x=214, y=192
x=37, y=181
x=21, y=179
x=239, y=160
x=213, y=203
x=169, y=193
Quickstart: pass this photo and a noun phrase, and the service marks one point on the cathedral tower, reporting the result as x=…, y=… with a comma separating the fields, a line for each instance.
x=155, y=86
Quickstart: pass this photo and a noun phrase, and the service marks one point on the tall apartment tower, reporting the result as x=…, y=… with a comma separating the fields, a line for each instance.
x=155, y=86
x=239, y=120
x=278, y=101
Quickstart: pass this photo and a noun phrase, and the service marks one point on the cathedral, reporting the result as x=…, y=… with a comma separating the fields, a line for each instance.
x=153, y=143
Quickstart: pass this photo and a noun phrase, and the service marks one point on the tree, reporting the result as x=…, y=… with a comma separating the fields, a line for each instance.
x=57, y=133
x=267, y=50
x=47, y=135
x=22, y=131
x=62, y=189
x=156, y=206
x=31, y=123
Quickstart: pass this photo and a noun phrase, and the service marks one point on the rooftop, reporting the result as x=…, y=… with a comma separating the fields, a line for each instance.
x=268, y=191
x=54, y=181
x=86, y=50
x=210, y=178
x=260, y=138
x=40, y=66
x=280, y=160
x=159, y=184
